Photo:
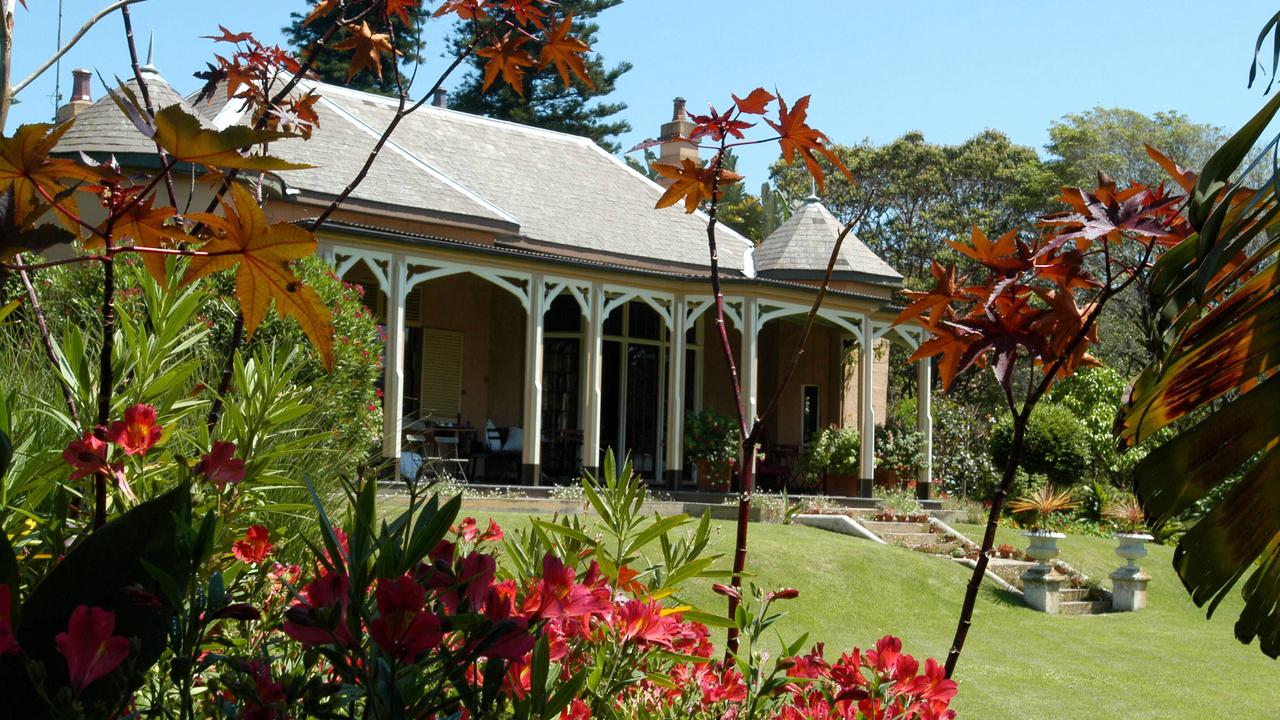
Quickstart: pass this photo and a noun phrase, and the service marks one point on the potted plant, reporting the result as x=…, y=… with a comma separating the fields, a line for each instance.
x=712, y=441
x=1127, y=514
x=834, y=455
x=897, y=454
x=1036, y=513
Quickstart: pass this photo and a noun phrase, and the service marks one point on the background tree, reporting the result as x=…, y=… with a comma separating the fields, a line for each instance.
x=1114, y=140
x=911, y=194
x=739, y=209
x=544, y=101
x=331, y=64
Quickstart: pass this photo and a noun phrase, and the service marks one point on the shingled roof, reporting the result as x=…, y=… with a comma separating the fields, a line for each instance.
x=534, y=188
x=801, y=247
x=553, y=189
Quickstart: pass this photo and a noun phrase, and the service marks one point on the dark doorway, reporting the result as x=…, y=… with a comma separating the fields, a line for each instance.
x=611, y=397
x=644, y=387
x=562, y=438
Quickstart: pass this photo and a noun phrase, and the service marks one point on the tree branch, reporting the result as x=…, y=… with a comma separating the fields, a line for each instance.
x=146, y=102
x=401, y=113
x=88, y=25
x=1015, y=458
x=38, y=310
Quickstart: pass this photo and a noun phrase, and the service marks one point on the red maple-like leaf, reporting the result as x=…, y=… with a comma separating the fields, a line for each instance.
x=692, y=183
x=368, y=46
x=464, y=9
x=401, y=8
x=797, y=138
x=229, y=37
x=755, y=103
x=1110, y=213
x=717, y=125
x=506, y=57
x=937, y=302
x=566, y=52
x=1005, y=256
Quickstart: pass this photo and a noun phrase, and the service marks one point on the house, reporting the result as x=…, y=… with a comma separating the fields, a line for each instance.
x=525, y=281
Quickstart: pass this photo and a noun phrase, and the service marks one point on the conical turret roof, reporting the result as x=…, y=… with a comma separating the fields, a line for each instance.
x=801, y=247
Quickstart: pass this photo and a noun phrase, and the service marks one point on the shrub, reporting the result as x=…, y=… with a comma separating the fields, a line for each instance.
x=711, y=437
x=961, y=460
x=835, y=450
x=1037, y=511
x=898, y=448
x=1056, y=445
x=900, y=502
x=345, y=403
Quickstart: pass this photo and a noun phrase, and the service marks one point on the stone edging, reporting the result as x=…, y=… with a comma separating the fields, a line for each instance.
x=842, y=524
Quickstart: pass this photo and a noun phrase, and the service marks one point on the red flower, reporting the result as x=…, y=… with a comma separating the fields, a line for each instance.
x=89, y=647
x=627, y=581
x=404, y=628
x=576, y=710
x=220, y=466
x=884, y=659
x=727, y=685
x=269, y=701
x=560, y=595
x=643, y=622
x=255, y=547
x=467, y=530
x=89, y=457
x=478, y=571
x=138, y=432
x=8, y=643
x=493, y=533
x=934, y=685
x=321, y=617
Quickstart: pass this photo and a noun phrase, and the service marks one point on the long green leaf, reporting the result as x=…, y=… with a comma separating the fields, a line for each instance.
x=1218, y=170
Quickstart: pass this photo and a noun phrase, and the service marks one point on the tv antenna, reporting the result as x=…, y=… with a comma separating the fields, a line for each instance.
x=57, y=66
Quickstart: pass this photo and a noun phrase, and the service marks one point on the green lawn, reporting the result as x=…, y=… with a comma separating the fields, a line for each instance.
x=1163, y=662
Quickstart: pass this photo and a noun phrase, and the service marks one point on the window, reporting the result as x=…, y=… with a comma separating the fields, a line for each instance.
x=809, y=413
x=646, y=324
x=564, y=315
x=441, y=374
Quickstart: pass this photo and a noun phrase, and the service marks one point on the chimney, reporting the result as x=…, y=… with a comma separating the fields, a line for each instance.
x=441, y=98
x=81, y=95
x=673, y=151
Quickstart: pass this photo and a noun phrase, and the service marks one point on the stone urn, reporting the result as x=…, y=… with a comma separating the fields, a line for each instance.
x=1041, y=583
x=1129, y=582
x=1043, y=545
x=1132, y=547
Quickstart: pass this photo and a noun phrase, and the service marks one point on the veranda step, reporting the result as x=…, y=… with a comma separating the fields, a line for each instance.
x=909, y=539
x=1084, y=607
x=889, y=528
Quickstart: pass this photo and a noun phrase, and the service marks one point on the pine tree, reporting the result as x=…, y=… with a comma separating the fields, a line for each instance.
x=547, y=103
x=331, y=65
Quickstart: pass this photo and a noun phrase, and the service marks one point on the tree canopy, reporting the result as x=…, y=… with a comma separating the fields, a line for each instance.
x=1113, y=141
x=911, y=194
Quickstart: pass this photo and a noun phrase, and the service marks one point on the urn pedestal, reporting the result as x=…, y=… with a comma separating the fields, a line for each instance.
x=1041, y=584
x=1129, y=582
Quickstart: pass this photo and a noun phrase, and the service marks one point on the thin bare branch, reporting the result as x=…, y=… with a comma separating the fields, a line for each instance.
x=47, y=340
x=88, y=25
x=401, y=113
x=166, y=166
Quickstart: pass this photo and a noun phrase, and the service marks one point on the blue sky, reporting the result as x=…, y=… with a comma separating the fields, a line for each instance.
x=875, y=69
